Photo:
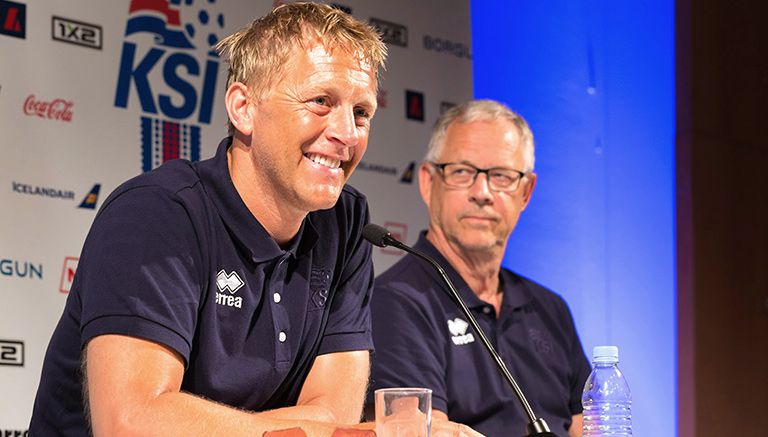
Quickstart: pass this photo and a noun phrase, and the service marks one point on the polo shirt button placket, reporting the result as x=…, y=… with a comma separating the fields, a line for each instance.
x=281, y=318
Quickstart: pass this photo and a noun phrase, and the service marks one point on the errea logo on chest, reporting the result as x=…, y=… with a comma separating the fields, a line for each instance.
x=228, y=282
x=458, y=329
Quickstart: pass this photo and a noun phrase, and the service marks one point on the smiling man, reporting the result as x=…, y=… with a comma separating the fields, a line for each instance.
x=476, y=180
x=225, y=297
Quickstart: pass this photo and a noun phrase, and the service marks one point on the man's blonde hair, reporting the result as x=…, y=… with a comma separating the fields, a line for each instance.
x=258, y=52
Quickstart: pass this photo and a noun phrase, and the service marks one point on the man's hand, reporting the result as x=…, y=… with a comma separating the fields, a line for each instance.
x=442, y=427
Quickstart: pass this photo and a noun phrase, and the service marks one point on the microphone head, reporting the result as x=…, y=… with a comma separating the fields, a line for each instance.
x=376, y=234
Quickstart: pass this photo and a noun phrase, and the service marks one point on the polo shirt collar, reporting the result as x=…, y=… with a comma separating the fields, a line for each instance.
x=515, y=295
x=242, y=225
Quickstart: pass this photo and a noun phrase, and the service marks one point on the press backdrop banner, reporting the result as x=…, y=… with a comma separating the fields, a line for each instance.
x=93, y=93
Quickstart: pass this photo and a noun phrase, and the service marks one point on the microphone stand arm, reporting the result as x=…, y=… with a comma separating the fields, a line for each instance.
x=536, y=426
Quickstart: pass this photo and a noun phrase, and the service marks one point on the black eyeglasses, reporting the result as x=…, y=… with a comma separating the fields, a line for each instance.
x=458, y=175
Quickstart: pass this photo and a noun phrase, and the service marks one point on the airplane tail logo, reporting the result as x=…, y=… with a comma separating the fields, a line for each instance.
x=92, y=198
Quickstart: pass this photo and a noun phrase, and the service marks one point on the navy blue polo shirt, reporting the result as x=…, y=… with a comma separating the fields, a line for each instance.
x=174, y=256
x=423, y=340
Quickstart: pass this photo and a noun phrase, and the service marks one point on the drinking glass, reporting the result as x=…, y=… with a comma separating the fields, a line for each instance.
x=403, y=412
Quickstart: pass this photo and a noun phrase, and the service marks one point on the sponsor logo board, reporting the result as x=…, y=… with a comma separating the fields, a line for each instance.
x=414, y=105
x=405, y=176
x=76, y=32
x=56, y=109
x=173, y=109
x=399, y=231
x=89, y=201
x=444, y=106
x=20, y=269
x=391, y=33
x=11, y=353
x=13, y=19
x=408, y=173
x=442, y=45
x=68, y=274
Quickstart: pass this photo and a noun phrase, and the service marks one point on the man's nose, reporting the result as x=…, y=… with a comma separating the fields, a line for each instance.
x=480, y=190
x=342, y=127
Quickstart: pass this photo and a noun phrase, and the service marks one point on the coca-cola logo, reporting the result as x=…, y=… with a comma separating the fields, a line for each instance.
x=57, y=109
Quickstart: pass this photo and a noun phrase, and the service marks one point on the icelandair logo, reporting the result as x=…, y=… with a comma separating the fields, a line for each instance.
x=406, y=177
x=89, y=201
x=458, y=329
x=230, y=282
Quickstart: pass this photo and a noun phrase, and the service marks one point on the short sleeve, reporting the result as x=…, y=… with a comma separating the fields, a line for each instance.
x=408, y=351
x=580, y=366
x=349, y=321
x=139, y=270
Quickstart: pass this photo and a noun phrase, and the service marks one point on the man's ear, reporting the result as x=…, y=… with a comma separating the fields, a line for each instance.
x=528, y=188
x=425, y=182
x=239, y=108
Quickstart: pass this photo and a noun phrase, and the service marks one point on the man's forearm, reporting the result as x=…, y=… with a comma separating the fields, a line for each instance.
x=183, y=414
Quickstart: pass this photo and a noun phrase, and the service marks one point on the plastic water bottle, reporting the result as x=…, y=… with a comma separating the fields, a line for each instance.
x=607, y=401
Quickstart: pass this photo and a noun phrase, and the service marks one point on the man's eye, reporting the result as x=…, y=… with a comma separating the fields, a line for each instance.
x=461, y=171
x=320, y=100
x=502, y=178
x=361, y=112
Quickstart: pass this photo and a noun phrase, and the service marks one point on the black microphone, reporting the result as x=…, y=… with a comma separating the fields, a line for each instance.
x=381, y=237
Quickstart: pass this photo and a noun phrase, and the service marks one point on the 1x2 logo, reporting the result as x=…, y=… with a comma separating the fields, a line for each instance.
x=11, y=353
x=76, y=32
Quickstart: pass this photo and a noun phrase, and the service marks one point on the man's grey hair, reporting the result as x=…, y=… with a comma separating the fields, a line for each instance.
x=480, y=110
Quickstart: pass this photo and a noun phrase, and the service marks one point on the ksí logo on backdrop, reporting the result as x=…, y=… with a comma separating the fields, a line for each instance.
x=179, y=31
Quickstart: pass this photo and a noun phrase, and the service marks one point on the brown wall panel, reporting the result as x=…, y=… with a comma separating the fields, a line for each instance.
x=722, y=82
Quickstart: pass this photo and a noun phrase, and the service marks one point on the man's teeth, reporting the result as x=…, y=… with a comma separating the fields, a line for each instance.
x=323, y=160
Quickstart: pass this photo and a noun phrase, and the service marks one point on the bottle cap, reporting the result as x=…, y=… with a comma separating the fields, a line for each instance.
x=605, y=354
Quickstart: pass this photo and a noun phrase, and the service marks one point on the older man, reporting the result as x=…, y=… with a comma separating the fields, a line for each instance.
x=208, y=293
x=476, y=180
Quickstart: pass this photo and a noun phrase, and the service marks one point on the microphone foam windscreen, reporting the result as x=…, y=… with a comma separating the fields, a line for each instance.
x=375, y=234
